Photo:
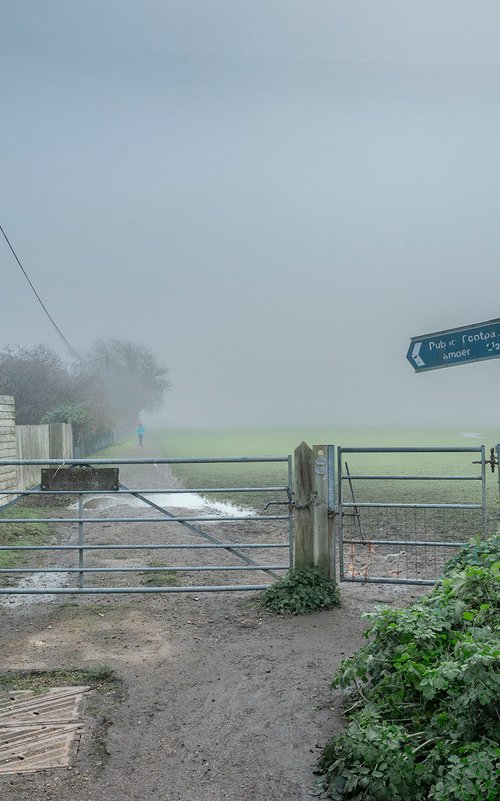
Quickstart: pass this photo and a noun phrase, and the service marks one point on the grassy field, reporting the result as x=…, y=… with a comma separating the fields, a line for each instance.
x=262, y=442
x=281, y=442
x=400, y=525
x=454, y=525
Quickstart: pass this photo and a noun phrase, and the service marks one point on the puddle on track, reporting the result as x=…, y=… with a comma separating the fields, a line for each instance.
x=190, y=501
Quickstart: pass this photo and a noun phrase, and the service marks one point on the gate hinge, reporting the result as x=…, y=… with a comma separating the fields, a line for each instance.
x=492, y=461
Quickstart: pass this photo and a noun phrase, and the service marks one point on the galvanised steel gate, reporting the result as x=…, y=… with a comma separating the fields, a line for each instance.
x=401, y=526
x=89, y=540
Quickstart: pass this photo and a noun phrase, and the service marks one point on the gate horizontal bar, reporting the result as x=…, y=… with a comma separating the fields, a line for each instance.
x=411, y=450
x=204, y=460
x=121, y=590
x=226, y=545
x=385, y=580
x=143, y=491
x=412, y=478
x=198, y=519
x=184, y=568
x=430, y=543
x=412, y=505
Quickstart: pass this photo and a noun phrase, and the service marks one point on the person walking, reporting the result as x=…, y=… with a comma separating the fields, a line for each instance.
x=140, y=433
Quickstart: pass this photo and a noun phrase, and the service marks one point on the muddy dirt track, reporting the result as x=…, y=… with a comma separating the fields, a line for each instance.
x=215, y=698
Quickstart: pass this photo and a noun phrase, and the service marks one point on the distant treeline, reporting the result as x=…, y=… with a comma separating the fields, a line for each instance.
x=105, y=391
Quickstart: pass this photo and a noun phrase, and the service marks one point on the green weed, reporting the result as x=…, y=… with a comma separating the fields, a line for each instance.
x=159, y=578
x=41, y=680
x=29, y=533
x=301, y=591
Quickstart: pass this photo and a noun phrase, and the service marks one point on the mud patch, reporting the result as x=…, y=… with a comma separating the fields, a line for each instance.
x=34, y=581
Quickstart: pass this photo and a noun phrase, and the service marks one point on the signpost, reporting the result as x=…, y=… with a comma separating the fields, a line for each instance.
x=471, y=343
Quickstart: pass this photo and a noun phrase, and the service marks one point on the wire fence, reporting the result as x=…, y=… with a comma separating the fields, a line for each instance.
x=87, y=444
x=403, y=527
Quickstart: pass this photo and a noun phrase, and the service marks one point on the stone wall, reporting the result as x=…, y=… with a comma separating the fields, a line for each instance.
x=8, y=476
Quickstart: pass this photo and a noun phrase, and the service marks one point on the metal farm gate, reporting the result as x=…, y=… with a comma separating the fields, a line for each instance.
x=399, y=523
x=399, y=514
x=121, y=538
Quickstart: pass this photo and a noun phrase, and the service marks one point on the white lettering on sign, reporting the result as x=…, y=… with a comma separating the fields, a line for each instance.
x=456, y=354
x=437, y=345
x=481, y=335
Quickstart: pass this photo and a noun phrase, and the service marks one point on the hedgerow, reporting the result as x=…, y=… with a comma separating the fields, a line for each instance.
x=424, y=716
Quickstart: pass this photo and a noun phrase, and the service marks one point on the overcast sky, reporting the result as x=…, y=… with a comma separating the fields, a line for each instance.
x=273, y=196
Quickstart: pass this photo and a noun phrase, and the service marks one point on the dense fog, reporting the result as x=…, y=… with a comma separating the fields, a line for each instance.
x=272, y=197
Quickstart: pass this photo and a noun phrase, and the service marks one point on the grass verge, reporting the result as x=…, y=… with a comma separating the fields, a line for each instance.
x=29, y=533
x=38, y=681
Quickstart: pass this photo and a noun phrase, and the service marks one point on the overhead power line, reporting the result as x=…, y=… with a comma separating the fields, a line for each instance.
x=71, y=349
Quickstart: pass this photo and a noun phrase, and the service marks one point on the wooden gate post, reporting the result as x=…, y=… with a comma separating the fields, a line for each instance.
x=303, y=498
x=321, y=539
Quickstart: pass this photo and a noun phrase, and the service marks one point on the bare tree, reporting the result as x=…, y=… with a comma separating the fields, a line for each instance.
x=134, y=378
x=37, y=378
x=117, y=381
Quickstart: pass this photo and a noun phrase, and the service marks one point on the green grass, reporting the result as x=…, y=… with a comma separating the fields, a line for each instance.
x=281, y=442
x=41, y=680
x=159, y=578
x=115, y=451
x=262, y=442
x=215, y=443
x=21, y=533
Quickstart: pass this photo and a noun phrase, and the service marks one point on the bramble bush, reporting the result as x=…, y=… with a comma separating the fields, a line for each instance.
x=424, y=722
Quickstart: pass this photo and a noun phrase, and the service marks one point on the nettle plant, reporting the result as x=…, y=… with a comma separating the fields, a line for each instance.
x=301, y=591
x=424, y=719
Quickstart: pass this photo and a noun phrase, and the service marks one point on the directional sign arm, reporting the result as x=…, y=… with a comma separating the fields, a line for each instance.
x=415, y=355
x=473, y=343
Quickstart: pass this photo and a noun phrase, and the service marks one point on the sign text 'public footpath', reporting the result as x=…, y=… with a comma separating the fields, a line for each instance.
x=471, y=343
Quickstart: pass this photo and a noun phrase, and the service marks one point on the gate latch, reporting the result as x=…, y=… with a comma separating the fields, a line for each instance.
x=291, y=503
x=492, y=461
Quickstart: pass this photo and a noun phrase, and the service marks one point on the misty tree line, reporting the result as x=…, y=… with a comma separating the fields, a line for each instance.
x=105, y=391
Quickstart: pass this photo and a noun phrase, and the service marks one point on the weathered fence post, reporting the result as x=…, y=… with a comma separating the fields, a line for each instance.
x=60, y=441
x=303, y=498
x=314, y=534
x=321, y=544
